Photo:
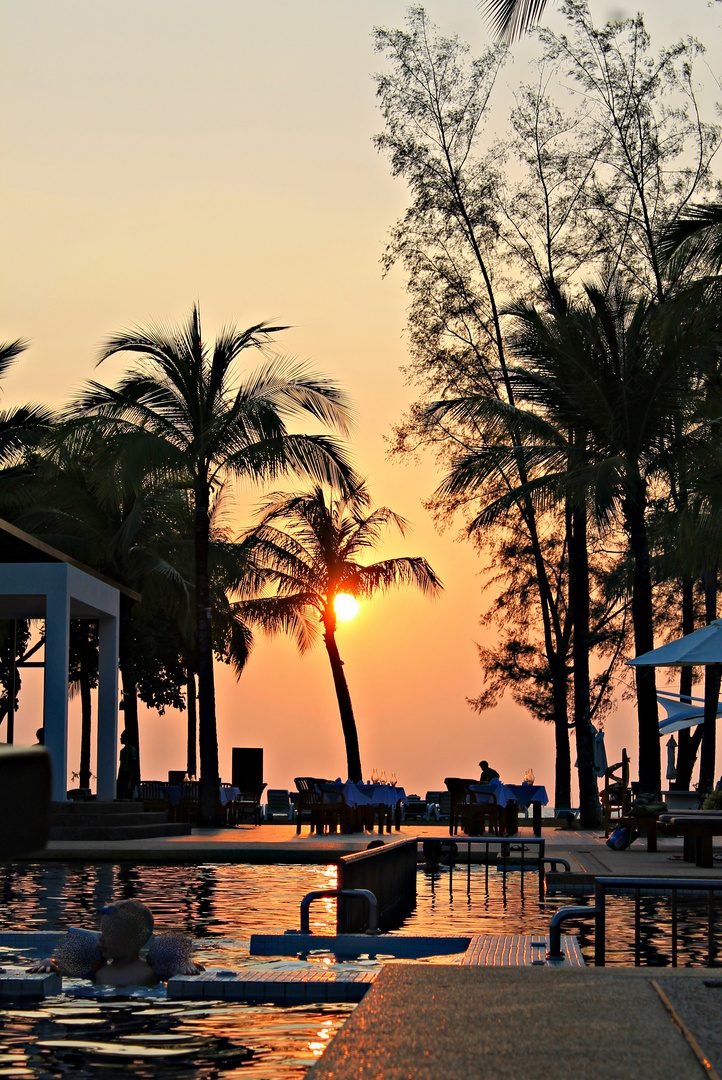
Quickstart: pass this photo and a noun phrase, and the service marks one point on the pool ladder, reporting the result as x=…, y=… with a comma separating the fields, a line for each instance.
x=339, y=894
x=637, y=887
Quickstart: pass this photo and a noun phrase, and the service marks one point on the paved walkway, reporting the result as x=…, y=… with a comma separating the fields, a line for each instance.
x=586, y=852
x=428, y=1022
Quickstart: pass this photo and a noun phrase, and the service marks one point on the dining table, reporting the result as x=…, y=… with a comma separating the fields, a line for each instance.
x=514, y=796
x=383, y=801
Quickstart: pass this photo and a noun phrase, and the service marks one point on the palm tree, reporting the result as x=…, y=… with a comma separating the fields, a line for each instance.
x=186, y=412
x=512, y=18
x=697, y=234
x=621, y=373
x=609, y=390
x=311, y=545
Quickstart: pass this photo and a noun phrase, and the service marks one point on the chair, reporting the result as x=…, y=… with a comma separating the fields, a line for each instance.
x=459, y=808
x=310, y=801
x=246, y=803
x=187, y=810
x=153, y=795
x=321, y=811
x=278, y=805
x=485, y=811
x=616, y=797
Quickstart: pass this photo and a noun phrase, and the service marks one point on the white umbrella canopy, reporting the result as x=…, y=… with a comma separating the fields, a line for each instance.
x=702, y=647
x=680, y=714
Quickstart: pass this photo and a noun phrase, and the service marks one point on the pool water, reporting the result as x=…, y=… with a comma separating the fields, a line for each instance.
x=154, y=1039
x=81, y=1034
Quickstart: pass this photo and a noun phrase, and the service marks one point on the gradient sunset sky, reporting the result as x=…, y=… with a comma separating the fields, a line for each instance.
x=157, y=153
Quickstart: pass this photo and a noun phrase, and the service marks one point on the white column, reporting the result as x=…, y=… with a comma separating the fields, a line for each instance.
x=57, y=638
x=107, y=707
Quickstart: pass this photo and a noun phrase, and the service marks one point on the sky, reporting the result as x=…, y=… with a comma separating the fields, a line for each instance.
x=158, y=154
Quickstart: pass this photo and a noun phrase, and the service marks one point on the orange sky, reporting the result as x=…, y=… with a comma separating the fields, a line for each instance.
x=158, y=153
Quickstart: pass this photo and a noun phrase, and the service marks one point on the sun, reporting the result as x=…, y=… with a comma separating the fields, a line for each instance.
x=345, y=606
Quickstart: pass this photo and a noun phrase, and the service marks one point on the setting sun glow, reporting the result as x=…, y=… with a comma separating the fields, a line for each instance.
x=345, y=606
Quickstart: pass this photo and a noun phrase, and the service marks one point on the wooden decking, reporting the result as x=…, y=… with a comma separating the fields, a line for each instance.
x=519, y=950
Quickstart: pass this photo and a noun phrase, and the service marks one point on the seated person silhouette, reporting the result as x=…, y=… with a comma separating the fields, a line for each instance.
x=112, y=958
x=487, y=773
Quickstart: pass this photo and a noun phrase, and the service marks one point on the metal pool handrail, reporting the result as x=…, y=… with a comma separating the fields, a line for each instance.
x=505, y=844
x=339, y=894
x=649, y=885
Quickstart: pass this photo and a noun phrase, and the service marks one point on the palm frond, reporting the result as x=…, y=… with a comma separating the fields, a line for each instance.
x=699, y=233
x=9, y=351
x=510, y=19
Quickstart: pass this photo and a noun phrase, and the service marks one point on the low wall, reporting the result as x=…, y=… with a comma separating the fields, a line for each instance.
x=389, y=872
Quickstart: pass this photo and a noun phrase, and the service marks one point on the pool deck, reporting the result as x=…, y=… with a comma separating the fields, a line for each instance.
x=468, y=1023
x=426, y=1021
x=585, y=851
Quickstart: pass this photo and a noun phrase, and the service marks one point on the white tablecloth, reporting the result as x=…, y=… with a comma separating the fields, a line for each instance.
x=523, y=794
x=367, y=794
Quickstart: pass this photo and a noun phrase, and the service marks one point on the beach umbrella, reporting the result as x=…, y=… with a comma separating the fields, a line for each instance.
x=681, y=714
x=703, y=647
x=671, y=768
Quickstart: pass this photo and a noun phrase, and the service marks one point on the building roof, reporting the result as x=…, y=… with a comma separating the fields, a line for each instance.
x=17, y=546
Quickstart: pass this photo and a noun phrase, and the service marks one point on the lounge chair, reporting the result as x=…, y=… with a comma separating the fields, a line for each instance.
x=416, y=809
x=278, y=805
x=441, y=801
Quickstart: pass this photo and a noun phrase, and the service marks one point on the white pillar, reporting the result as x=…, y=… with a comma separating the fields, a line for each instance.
x=107, y=707
x=57, y=640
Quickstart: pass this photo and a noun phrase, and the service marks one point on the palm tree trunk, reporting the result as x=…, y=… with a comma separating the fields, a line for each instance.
x=647, y=717
x=689, y=741
x=126, y=662
x=711, y=691
x=348, y=723
x=191, y=762
x=209, y=805
x=562, y=760
x=590, y=811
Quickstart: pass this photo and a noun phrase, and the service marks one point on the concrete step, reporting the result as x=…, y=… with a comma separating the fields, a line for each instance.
x=130, y=817
x=296, y=985
x=81, y=808
x=118, y=832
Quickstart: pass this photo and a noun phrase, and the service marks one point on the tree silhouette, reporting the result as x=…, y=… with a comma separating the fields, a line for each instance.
x=186, y=412
x=311, y=545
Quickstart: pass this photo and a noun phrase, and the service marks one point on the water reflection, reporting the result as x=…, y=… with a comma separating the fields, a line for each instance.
x=223, y=904
x=158, y=1040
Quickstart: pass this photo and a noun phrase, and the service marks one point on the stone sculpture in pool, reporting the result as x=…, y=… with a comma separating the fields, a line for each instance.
x=112, y=957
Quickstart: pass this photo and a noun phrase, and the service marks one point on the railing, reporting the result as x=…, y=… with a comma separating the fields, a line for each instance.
x=638, y=887
x=507, y=858
x=389, y=872
x=341, y=894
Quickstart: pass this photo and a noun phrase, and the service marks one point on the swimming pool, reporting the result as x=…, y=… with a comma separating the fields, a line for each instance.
x=220, y=906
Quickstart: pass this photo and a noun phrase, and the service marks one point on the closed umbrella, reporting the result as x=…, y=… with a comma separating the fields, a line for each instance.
x=600, y=754
x=671, y=768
